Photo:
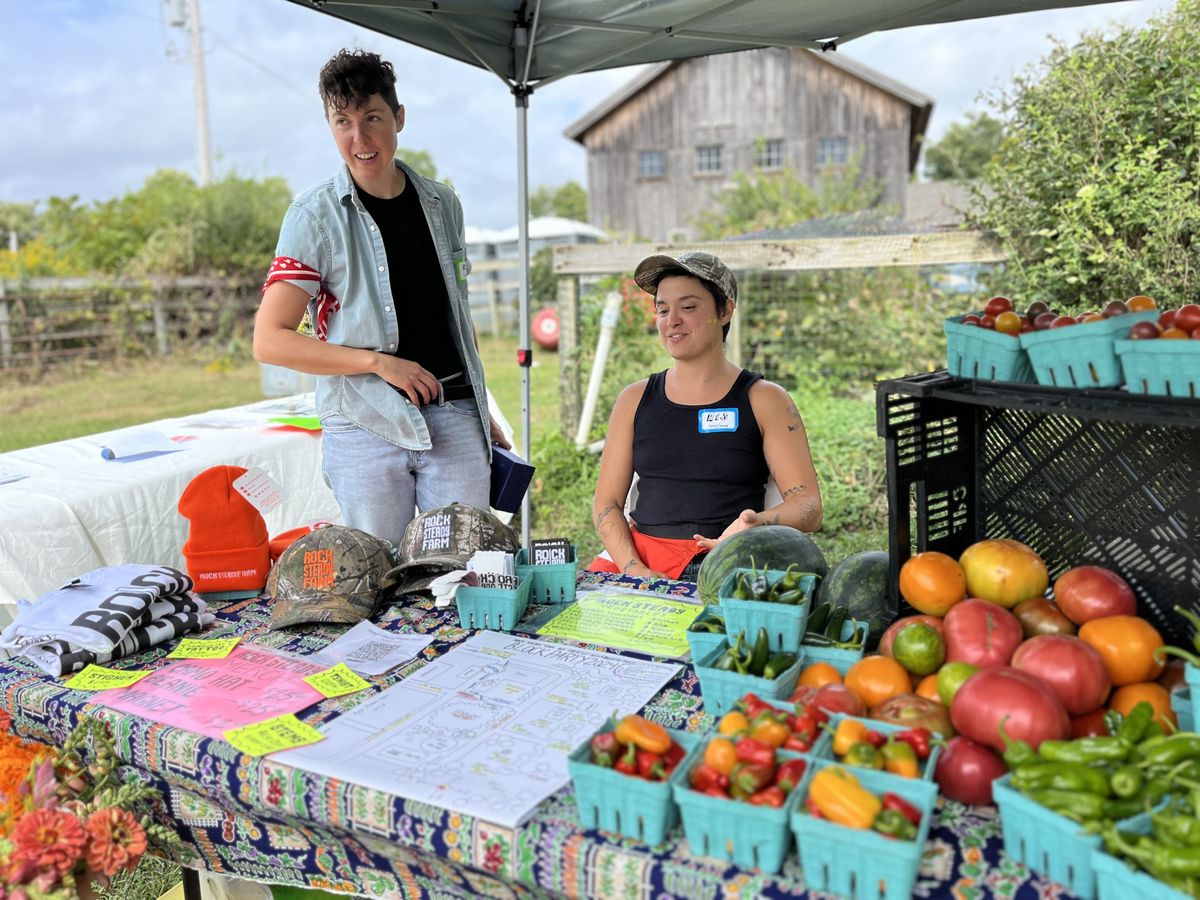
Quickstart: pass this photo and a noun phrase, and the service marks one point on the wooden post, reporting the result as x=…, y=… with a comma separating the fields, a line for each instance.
x=493, y=290
x=5, y=330
x=160, y=321
x=568, y=354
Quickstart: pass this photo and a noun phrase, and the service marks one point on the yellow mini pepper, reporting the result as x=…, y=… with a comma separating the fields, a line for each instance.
x=848, y=733
x=842, y=800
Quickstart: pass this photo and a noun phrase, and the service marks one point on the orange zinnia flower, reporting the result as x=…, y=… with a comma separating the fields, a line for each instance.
x=117, y=841
x=47, y=840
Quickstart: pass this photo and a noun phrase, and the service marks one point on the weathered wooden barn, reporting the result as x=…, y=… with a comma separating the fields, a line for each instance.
x=660, y=147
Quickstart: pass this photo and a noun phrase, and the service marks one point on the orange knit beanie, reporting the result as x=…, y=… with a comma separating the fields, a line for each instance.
x=226, y=549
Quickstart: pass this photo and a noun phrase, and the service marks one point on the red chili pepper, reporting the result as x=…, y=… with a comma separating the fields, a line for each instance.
x=811, y=709
x=671, y=758
x=772, y=796
x=805, y=727
x=902, y=806
x=716, y=792
x=604, y=749
x=874, y=738
x=788, y=775
x=627, y=762
x=650, y=765
x=799, y=746
x=813, y=810
x=919, y=739
x=702, y=777
x=759, y=753
x=752, y=704
x=749, y=778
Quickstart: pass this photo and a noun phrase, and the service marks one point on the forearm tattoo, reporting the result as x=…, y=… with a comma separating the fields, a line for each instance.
x=794, y=491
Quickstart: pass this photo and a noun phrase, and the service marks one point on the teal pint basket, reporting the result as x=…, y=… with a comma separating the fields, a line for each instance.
x=1191, y=675
x=496, y=608
x=784, y=623
x=858, y=862
x=624, y=804
x=1169, y=368
x=823, y=748
x=1083, y=355
x=720, y=690
x=702, y=643
x=1181, y=705
x=1051, y=845
x=753, y=837
x=840, y=659
x=554, y=584
x=975, y=352
x=1118, y=880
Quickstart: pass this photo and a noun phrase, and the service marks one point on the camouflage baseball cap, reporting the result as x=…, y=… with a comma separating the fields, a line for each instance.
x=442, y=540
x=701, y=264
x=333, y=574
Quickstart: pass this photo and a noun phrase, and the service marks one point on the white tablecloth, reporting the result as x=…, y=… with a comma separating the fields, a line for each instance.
x=77, y=511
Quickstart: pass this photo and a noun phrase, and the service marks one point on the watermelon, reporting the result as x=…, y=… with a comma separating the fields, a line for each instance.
x=860, y=584
x=772, y=546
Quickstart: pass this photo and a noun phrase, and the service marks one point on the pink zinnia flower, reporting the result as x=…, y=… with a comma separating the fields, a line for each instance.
x=48, y=839
x=118, y=841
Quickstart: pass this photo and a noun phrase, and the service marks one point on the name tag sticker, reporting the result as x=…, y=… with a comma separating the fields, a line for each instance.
x=718, y=420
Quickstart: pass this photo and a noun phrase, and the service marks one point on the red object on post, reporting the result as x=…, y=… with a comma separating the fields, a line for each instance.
x=545, y=328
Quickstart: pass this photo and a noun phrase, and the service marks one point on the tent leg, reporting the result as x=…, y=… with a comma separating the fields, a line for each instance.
x=523, y=352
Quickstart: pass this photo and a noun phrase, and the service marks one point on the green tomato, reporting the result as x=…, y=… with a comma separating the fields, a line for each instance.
x=951, y=677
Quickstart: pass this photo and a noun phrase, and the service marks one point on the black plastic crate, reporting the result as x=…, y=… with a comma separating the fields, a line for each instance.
x=1083, y=477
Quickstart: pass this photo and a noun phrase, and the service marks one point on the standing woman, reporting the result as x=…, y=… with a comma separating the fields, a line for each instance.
x=704, y=437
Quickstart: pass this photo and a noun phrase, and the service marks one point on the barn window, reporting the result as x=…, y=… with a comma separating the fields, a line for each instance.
x=769, y=154
x=708, y=158
x=652, y=164
x=832, y=151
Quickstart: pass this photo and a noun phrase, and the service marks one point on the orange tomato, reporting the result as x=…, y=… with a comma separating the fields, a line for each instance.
x=927, y=688
x=1125, y=698
x=932, y=582
x=874, y=679
x=1141, y=303
x=818, y=674
x=1127, y=645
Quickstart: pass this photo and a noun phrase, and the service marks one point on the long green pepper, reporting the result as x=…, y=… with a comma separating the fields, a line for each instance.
x=1034, y=776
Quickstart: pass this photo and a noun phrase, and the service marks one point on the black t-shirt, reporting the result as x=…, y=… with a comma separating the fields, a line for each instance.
x=418, y=289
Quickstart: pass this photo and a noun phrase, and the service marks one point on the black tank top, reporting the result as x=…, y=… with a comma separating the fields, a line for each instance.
x=697, y=466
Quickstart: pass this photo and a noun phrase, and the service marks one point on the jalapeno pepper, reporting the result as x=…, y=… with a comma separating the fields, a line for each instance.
x=1085, y=750
x=742, y=589
x=791, y=598
x=893, y=824
x=712, y=624
x=778, y=664
x=1035, y=776
x=604, y=749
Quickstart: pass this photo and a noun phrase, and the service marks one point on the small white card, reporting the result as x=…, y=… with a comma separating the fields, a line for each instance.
x=260, y=489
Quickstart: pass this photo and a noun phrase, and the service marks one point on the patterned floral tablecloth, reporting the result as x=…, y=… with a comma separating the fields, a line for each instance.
x=263, y=821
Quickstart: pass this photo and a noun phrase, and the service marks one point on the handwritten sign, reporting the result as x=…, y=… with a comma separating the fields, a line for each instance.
x=281, y=733
x=198, y=648
x=637, y=621
x=337, y=681
x=99, y=678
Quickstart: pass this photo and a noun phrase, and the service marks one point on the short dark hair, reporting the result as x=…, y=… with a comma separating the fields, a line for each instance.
x=352, y=76
x=712, y=287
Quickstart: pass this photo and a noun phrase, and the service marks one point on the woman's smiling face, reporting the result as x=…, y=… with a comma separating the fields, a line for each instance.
x=687, y=317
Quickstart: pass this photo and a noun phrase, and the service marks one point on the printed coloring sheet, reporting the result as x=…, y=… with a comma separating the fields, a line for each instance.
x=485, y=729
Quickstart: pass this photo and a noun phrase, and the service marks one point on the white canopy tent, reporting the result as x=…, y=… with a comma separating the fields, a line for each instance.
x=528, y=44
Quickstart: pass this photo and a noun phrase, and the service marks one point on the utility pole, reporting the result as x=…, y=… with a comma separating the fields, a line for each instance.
x=196, y=33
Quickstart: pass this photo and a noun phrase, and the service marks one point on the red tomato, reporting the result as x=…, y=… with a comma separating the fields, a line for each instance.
x=1040, y=616
x=981, y=633
x=836, y=697
x=1074, y=670
x=1036, y=308
x=970, y=319
x=912, y=711
x=1114, y=308
x=1090, y=724
x=1141, y=331
x=1062, y=321
x=966, y=769
x=987, y=321
x=998, y=305
x=1093, y=592
x=1042, y=321
x=1167, y=319
x=1030, y=707
x=889, y=636
x=1188, y=317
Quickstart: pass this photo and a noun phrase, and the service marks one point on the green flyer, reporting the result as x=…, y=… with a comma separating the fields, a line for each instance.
x=630, y=620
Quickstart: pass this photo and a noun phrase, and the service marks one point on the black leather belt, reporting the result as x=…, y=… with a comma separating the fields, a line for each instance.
x=453, y=392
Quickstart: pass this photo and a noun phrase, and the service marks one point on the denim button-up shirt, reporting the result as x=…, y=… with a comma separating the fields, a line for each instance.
x=328, y=229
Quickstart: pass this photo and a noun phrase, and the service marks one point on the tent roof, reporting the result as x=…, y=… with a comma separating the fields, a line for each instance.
x=568, y=36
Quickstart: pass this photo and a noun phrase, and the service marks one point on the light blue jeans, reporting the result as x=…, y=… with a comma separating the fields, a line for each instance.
x=379, y=485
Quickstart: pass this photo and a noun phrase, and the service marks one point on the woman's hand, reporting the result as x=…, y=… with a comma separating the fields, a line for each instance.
x=747, y=518
x=639, y=570
x=498, y=435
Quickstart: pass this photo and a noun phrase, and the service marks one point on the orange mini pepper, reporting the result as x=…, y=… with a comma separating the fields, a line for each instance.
x=643, y=734
x=721, y=754
x=848, y=733
x=842, y=800
x=770, y=729
x=733, y=723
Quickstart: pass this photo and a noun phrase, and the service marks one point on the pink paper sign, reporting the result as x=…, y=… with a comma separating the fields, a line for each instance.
x=210, y=696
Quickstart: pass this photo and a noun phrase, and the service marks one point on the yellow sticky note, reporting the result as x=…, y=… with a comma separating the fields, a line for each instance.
x=337, y=681
x=98, y=678
x=198, y=648
x=280, y=733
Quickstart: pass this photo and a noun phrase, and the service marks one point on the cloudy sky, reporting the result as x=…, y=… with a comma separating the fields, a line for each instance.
x=99, y=95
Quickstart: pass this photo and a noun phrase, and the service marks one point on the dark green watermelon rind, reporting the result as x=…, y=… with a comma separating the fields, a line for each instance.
x=860, y=584
x=772, y=546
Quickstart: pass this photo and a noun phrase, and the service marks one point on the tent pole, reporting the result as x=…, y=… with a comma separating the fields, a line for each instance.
x=523, y=350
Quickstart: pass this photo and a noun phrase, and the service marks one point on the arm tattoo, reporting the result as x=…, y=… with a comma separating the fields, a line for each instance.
x=793, y=491
x=795, y=414
x=629, y=565
x=604, y=512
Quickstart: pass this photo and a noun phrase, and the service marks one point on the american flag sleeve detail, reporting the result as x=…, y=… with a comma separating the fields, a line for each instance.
x=284, y=268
